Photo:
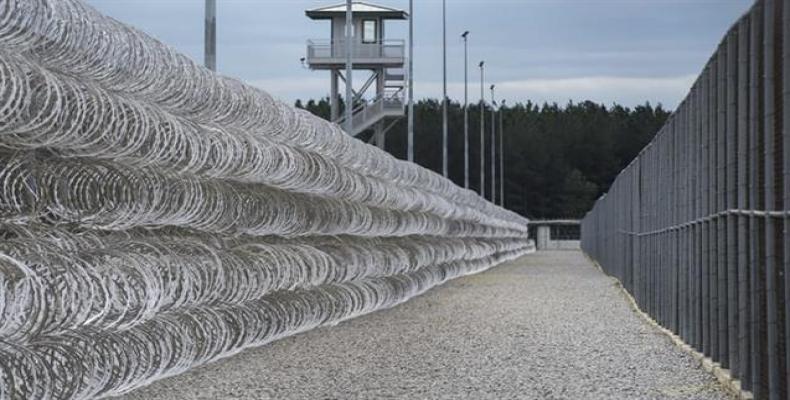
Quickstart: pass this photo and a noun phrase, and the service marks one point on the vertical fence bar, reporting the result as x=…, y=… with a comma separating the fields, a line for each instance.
x=636, y=227
x=730, y=201
x=675, y=267
x=756, y=245
x=699, y=191
x=743, y=371
x=696, y=288
x=713, y=244
x=778, y=201
x=680, y=241
x=654, y=223
x=721, y=190
x=706, y=210
x=770, y=245
x=786, y=155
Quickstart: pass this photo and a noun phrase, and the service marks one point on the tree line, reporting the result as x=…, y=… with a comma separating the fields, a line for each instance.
x=558, y=159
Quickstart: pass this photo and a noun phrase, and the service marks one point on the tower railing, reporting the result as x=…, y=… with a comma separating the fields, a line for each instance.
x=390, y=50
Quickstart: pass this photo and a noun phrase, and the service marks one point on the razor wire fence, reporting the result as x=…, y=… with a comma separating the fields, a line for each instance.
x=697, y=227
x=155, y=216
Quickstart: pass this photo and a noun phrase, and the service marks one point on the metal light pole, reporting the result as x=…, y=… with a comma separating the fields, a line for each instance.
x=482, y=131
x=493, y=146
x=466, y=111
x=210, y=36
x=501, y=154
x=445, y=172
x=410, y=123
x=349, y=81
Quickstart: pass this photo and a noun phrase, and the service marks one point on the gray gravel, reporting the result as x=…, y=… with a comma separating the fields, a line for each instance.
x=547, y=326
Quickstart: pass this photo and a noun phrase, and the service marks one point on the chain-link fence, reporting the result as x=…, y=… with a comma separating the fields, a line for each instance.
x=696, y=227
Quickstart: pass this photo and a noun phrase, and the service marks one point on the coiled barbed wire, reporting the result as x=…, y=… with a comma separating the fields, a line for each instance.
x=90, y=122
x=136, y=275
x=155, y=216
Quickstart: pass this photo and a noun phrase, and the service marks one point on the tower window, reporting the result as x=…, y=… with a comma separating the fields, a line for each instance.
x=369, y=31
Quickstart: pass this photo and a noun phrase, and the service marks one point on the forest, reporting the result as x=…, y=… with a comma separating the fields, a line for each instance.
x=558, y=159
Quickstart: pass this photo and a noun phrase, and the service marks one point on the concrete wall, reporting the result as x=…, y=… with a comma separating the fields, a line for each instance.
x=562, y=245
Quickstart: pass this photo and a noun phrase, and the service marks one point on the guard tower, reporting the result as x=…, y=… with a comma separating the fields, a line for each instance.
x=383, y=58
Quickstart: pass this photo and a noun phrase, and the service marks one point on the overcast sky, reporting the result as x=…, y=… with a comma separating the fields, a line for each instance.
x=624, y=51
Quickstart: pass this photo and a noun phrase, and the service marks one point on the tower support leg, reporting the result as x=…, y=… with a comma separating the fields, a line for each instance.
x=334, y=103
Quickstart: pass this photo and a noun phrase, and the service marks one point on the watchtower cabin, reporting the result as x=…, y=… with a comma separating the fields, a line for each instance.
x=372, y=52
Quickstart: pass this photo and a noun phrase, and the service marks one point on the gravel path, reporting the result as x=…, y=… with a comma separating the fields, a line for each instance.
x=546, y=326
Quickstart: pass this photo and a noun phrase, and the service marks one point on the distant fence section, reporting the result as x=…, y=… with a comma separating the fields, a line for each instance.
x=696, y=227
x=555, y=234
